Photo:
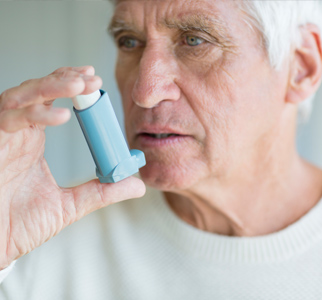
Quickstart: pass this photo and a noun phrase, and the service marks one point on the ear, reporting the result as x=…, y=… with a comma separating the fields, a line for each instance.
x=306, y=66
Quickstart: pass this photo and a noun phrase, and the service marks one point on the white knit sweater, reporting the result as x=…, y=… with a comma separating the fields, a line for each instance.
x=139, y=249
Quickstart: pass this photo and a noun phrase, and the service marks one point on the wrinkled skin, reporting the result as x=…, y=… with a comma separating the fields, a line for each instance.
x=207, y=91
x=33, y=207
x=233, y=111
x=231, y=169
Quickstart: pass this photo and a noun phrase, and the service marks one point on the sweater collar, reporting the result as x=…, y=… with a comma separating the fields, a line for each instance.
x=276, y=247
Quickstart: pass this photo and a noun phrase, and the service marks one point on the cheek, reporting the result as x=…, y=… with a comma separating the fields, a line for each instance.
x=243, y=114
x=237, y=107
x=211, y=99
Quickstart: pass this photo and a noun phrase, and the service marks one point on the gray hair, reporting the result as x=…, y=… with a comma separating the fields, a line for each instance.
x=278, y=23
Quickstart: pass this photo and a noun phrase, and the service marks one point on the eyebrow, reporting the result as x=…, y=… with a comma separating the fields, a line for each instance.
x=211, y=25
x=117, y=26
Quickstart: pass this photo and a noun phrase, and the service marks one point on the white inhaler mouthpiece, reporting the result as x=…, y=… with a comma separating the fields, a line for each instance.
x=105, y=139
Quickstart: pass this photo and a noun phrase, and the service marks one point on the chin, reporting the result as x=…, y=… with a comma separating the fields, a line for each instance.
x=167, y=178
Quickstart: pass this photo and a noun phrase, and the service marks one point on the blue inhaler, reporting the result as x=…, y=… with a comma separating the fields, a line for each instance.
x=104, y=137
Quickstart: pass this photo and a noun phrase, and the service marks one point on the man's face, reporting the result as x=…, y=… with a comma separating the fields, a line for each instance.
x=199, y=96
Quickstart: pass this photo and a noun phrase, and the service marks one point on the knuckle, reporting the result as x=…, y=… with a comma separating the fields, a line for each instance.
x=85, y=70
x=80, y=69
x=45, y=81
x=63, y=74
x=66, y=71
x=42, y=85
x=9, y=99
x=4, y=95
x=68, y=74
x=26, y=82
x=60, y=70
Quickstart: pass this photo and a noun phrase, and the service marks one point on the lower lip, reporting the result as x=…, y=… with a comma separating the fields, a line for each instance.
x=149, y=141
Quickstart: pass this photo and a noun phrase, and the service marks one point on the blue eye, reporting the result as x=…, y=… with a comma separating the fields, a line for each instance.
x=127, y=42
x=193, y=40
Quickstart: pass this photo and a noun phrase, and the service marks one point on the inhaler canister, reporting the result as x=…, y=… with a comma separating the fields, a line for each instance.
x=105, y=139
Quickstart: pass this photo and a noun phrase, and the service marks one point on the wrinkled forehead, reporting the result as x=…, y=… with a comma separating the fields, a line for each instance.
x=200, y=14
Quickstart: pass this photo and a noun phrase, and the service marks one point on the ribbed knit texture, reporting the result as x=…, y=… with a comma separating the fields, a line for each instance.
x=139, y=249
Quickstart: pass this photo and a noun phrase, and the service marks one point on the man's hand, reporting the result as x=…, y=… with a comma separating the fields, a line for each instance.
x=33, y=208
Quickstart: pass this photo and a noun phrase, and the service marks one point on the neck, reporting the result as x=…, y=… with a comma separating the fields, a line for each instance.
x=253, y=201
x=260, y=208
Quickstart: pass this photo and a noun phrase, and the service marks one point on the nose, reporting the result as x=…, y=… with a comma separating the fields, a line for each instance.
x=156, y=79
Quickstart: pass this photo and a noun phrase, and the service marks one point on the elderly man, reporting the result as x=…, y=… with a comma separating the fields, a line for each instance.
x=210, y=91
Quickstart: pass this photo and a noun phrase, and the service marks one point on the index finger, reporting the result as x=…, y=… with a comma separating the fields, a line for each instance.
x=38, y=91
x=86, y=70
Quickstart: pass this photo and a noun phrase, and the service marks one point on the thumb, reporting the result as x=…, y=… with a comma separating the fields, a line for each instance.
x=88, y=197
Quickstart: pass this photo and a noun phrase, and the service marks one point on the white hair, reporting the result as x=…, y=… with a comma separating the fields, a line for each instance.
x=279, y=25
x=279, y=22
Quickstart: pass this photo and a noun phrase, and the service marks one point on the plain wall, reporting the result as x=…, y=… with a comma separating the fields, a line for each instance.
x=37, y=37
